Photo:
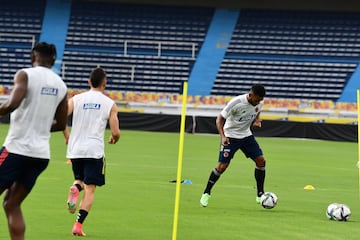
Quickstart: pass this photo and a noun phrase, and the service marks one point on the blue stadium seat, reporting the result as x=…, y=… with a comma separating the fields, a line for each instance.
x=125, y=40
x=296, y=54
x=128, y=73
x=20, y=27
x=283, y=78
x=304, y=54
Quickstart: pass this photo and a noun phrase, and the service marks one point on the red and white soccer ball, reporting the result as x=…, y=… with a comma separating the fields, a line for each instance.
x=338, y=212
x=268, y=200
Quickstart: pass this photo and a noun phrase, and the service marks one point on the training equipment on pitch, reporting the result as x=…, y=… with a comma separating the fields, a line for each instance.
x=338, y=212
x=268, y=200
x=330, y=210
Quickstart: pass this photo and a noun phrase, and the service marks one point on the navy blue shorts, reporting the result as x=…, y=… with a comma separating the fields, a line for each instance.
x=89, y=170
x=19, y=168
x=247, y=145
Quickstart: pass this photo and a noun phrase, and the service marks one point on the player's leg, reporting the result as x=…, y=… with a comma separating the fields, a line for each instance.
x=29, y=171
x=94, y=175
x=259, y=174
x=252, y=150
x=76, y=188
x=215, y=175
x=86, y=202
x=213, y=178
x=10, y=171
x=85, y=206
x=13, y=198
x=225, y=155
x=74, y=192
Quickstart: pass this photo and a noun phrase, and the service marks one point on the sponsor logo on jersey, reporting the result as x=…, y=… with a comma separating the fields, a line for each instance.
x=49, y=91
x=247, y=118
x=92, y=106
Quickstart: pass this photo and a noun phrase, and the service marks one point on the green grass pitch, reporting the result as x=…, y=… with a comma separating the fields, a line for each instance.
x=137, y=201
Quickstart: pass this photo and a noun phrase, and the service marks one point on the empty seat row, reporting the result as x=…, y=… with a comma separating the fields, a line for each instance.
x=127, y=73
x=20, y=27
x=297, y=33
x=327, y=78
x=107, y=26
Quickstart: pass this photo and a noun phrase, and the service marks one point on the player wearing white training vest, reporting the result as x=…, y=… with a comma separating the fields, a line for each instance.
x=234, y=126
x=90, y=116
x=37, y=105
x=91, y=110
x=26, y=136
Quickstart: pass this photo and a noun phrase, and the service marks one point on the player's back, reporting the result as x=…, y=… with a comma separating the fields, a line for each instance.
x=90, y=116
x=31, y=122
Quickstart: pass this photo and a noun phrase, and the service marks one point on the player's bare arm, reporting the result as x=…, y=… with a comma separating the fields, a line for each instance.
x=66, y=133
x=17, y=94
x=220, y=121
x=257, y=121
x=114, y=125
x=60, y=118
x=70, y=106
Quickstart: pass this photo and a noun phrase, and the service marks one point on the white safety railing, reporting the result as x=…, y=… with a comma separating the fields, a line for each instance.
x=14, y=35
x=160, y=46
x=91, y=65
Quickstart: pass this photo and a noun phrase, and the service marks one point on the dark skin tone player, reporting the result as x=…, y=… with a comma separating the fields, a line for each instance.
x=37, y=105
x=234, y=126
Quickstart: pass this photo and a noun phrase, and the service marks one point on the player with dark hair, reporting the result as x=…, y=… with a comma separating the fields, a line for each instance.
x=91, y=110
x=37, y=105
x=234, y=126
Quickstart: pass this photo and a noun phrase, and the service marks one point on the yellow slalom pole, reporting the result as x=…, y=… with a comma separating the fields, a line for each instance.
x=358, y=122
x=180, y=158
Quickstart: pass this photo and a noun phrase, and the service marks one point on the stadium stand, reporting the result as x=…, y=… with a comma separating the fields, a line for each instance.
x=143, y=73
x=151, y=48
x=297, y=33
x=296, y=54
x=143, y=47
x=20, y=28
x=284, y=78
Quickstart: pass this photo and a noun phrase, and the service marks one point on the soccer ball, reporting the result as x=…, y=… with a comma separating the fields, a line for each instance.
x=268, y=200
x=330, y=210
x=338, y=212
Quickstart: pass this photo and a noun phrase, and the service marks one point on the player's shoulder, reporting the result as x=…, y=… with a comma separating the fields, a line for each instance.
x=239, y=99
x=95, y=95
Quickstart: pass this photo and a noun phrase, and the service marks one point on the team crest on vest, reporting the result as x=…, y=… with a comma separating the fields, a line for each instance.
x=226, y=153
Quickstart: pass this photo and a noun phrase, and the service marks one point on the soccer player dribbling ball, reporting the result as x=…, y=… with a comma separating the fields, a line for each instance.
x=234, y=126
